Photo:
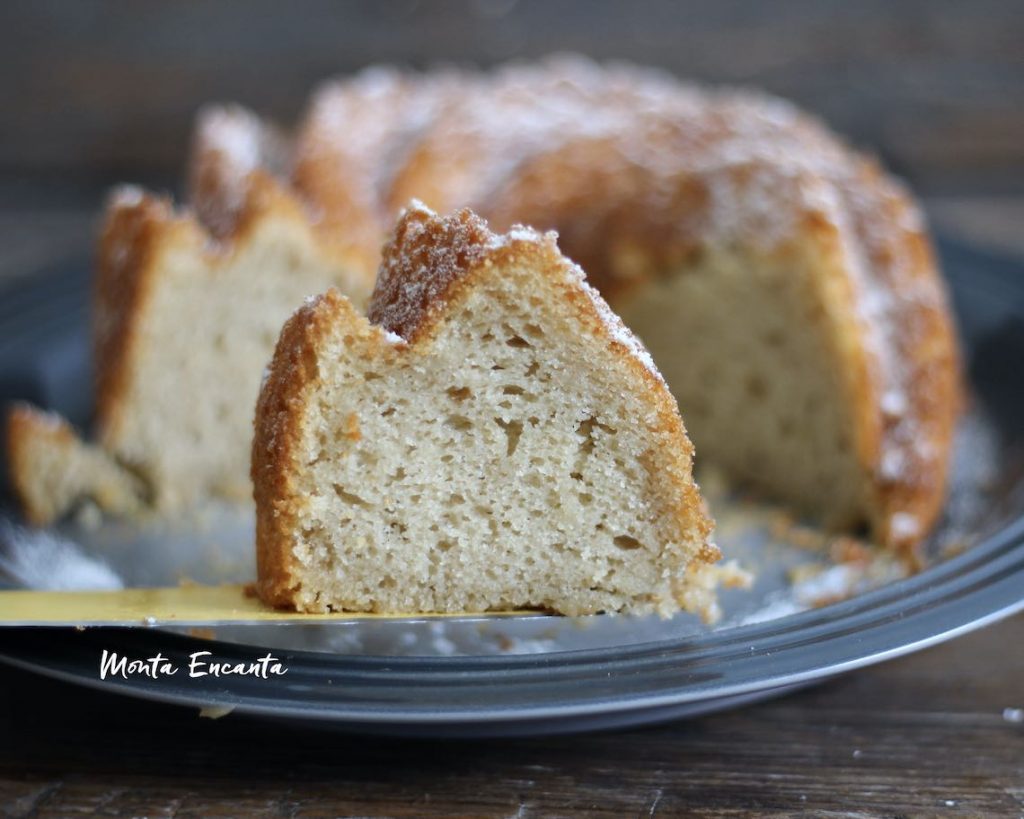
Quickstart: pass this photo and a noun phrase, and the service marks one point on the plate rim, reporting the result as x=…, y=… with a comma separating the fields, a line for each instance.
x=977, y=606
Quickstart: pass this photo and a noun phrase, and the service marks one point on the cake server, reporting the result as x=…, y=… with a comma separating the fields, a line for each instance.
x=186, y=605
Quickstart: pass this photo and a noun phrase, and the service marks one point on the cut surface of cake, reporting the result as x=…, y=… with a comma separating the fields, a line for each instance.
x=184, y=325
x=494, y=439
x=184, y=330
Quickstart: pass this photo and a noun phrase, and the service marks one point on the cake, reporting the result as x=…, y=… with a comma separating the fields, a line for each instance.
x=490, y=437
x=783, y=282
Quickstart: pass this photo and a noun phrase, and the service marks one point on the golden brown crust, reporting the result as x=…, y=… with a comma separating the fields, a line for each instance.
x=422, y=264
x=923, y=377
x=135, y=226
x=341, y=149
x=431, y=265
x=274, y=439
x=236, y=158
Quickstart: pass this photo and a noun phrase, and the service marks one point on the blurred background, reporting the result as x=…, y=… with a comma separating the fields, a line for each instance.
x=94, y=93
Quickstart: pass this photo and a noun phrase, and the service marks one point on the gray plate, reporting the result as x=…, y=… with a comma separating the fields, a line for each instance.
x=485, y=677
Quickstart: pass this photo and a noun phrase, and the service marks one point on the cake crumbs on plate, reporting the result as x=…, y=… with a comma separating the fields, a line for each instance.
x=215, y=711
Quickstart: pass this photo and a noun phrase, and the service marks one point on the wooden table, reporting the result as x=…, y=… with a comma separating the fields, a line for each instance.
x=924, y=735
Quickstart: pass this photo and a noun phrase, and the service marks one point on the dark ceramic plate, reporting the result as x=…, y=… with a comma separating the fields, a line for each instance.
x=607, y=680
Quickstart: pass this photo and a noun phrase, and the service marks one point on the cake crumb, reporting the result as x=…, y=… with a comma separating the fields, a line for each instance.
x=847, y=549
x=215, y=711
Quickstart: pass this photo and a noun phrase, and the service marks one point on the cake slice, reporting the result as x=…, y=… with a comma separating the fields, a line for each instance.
x=184, y=327
x=185, y=322
x=53, y=470
x=493, y=437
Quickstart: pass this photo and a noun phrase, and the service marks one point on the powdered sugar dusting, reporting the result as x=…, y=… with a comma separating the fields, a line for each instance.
x=126, y=196
x=520, y=233
x=905, y=526
x=230, y=143
x=425, y=257
x=38, y=559
x=235, y=132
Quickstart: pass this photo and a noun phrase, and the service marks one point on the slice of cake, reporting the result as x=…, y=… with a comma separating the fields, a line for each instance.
x=185, y=322
x=494, y=439
x=185, y=327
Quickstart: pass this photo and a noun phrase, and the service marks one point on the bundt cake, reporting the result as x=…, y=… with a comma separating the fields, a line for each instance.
x=492, y=437
x=783, y=283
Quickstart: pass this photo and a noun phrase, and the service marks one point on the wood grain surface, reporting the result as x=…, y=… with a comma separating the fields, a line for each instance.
x=921, y=736
x=107, y=90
